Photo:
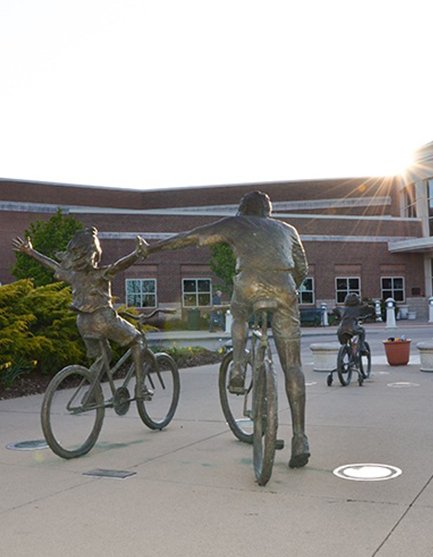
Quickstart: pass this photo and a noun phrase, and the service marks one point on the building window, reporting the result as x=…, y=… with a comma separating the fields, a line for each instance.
x=196, y=292
x=392, y=287
x=141, y=293
x=306, y=291
x=346, y=285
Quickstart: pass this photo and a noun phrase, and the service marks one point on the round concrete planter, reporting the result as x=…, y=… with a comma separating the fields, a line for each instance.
x=425, y=356
x=324, y=355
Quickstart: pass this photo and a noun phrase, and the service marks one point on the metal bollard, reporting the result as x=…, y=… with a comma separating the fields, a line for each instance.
x=390, y=313
x=430, y=309
x=229, y=321
x=378, y=311
x=324, y=316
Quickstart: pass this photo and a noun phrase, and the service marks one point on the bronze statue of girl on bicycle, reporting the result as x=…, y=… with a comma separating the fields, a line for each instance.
x=79, y=266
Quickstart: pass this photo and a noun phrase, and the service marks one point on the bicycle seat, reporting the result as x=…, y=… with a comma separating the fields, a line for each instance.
x=265, y=305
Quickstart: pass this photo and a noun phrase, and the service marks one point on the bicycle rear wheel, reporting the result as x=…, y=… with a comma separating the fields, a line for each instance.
x=234, y=406
x=344, y=364
x=70, y=425
x=265, y=413
x=164, y=381
x=365, y=360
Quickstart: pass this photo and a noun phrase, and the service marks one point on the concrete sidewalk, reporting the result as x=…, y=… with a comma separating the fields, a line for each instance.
x=217, y=339
x=193, y=491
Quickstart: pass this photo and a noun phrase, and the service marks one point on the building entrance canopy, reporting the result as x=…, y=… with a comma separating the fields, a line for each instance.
x=417, y=245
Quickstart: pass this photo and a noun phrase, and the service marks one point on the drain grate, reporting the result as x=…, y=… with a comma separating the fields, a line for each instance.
x=28, y=445
x=116, y=474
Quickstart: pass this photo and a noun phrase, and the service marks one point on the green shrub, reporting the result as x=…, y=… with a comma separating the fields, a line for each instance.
x=189, y=356
x=37, y=329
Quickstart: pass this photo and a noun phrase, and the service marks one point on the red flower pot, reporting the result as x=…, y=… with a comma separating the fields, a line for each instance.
x=397, y=352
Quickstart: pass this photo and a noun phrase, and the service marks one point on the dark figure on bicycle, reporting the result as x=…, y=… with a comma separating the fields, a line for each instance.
x=91, y=291
x=353, y=311
x=271, y=265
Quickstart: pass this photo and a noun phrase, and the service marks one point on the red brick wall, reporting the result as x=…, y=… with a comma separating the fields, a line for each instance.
x=170, y=267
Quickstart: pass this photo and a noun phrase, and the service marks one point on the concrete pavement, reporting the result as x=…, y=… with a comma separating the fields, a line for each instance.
x=193, y=491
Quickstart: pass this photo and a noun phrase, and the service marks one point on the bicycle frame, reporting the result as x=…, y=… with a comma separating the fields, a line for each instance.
x=101, y=366
x=349, y=359
x=259, y=343
x=78, y=390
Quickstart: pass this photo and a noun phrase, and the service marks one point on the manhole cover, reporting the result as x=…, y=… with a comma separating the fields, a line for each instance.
x=367, y=472
x=402, y=385
x=28, y=445
x=117, y=474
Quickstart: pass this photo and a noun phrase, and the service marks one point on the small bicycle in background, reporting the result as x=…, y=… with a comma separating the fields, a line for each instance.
x=74, y=404
x=353, y=356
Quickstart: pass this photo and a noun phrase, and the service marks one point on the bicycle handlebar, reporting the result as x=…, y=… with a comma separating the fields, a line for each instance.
x=145, y=316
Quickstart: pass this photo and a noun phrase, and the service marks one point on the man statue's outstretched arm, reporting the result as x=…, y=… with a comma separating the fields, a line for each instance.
x=202, y=235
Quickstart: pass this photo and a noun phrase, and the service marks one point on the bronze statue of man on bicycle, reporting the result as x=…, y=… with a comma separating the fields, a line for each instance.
x=271, y=265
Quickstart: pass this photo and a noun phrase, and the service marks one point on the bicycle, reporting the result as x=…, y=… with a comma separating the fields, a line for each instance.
x=352, y=356
x=253, y=416
x=78, y=393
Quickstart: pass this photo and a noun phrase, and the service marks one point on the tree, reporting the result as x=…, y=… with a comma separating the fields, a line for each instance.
x=48, y=237
x=223, y=264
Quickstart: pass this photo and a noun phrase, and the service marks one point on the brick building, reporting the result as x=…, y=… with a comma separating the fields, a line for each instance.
x=369, y=235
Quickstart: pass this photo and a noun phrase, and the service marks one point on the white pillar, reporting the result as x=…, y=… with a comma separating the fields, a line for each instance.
x=229, y=321
x=390, y=313
x=428, y=276
x=378, y=310
x=430, y=309
x=324, y=316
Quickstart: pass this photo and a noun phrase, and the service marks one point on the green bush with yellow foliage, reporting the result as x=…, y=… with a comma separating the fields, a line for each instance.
x=37, y=329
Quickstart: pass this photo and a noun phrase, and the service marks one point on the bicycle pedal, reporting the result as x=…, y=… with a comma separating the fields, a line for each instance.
x=279, y=444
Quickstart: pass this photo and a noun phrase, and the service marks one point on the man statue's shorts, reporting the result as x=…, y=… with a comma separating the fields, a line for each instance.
x=278, y=286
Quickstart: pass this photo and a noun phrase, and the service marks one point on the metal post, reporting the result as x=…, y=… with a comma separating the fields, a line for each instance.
x=324, y=316
x=378, y=311
x=430, y=309
x=390, y=313
x=229, y=321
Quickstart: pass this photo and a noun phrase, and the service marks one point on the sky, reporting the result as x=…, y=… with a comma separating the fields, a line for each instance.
x=171, y=93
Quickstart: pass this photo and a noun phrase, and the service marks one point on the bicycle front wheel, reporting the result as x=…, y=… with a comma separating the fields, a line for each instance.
x=164, y=381
x=71, y=425
x=365, y=360
x=344, y=364
x=265, y=413
x=235, y=407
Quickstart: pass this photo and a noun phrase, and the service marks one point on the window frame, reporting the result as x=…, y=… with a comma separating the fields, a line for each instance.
x=197, y=293
x=348, y=290
x=312, y=290
x=141, y=293
x=393, y=289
